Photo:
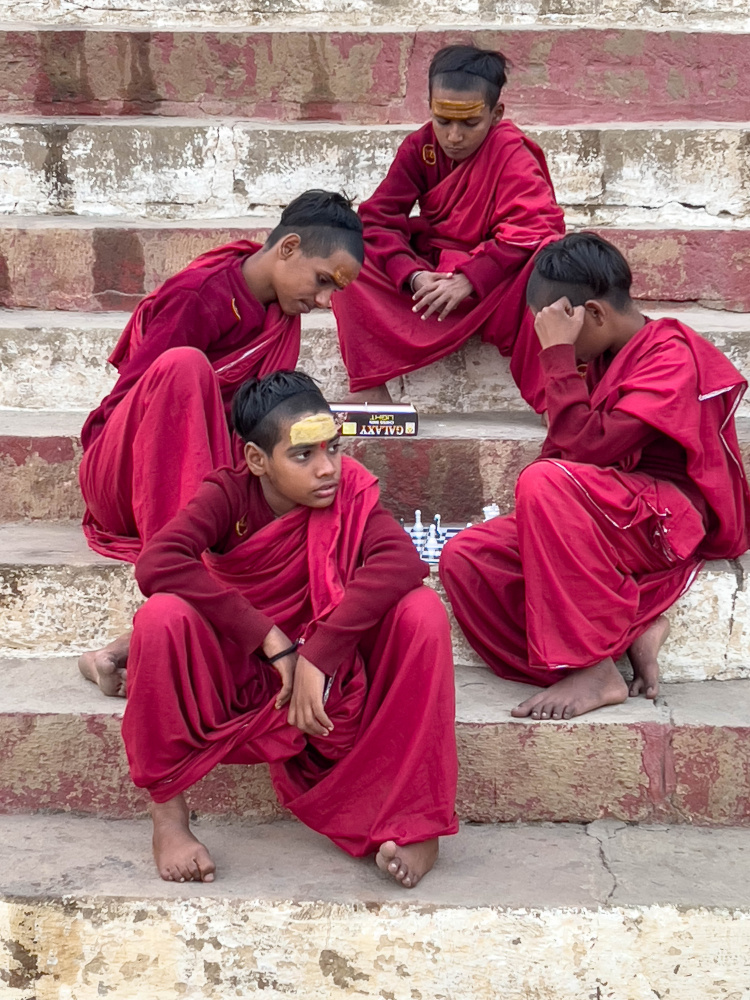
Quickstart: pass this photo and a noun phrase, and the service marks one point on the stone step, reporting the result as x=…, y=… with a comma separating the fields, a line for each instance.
x=57, y=597
x=683, y=759
x=675, y=175
x=72, y=263
x=555, y=912
x=339, y=15
x=364, y=76
x=456, y=465
x=57, y=360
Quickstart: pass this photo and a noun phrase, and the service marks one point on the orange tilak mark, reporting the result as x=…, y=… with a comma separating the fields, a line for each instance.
x=457, y=110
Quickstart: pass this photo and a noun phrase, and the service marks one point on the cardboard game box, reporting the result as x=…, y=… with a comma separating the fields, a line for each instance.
x=363, y=420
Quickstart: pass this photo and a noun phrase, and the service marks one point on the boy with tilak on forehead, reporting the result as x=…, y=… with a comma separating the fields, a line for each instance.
x=234, y=312
x=460, y=266
x=640, y=480
x=287, y=623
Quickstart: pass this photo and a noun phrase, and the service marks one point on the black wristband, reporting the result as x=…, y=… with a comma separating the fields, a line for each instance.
x=286, y=652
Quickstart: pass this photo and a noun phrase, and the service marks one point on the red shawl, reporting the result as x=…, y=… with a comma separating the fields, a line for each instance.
x=695, y=406
x=274, y=348
x=295, y=570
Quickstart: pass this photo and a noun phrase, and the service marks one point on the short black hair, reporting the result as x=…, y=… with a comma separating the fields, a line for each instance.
x=324, y=221
x=464, y=67
x=581, y=266
x=261, y=404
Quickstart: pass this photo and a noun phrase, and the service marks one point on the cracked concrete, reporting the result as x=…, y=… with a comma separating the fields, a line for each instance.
x=522, y=909
x=172, y=169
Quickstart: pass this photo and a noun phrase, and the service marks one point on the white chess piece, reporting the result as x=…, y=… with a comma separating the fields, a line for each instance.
x=432, y=546
x=490, y=511
x=418, y=532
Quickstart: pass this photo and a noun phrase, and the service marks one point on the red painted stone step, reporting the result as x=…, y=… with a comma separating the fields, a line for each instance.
x=685, y=759
x=557, y=77
x=453, y=468
x=53, y=263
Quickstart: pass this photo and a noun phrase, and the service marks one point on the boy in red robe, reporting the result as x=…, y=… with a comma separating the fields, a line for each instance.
x=287, y=622
x=640, y=480
x=231, y=314
x=460, y=267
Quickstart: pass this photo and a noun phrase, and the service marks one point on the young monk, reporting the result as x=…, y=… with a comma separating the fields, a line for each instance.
x=639, y=481
x=233, y=313
x=460, y=267
x=287, y=623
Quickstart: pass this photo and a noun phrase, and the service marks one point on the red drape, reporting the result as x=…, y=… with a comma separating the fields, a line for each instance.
x=146, y=455
x=195, y=699
x=486, y=216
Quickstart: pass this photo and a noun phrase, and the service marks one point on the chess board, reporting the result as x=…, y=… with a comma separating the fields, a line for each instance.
x=430, y=537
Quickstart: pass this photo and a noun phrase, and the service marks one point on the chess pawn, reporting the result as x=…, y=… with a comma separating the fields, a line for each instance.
x=442, y=532
x=432, y=546
x=490, y=511
x=418, y=532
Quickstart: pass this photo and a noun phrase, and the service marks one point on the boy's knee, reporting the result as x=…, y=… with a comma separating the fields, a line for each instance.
x=184, y=365
x=420, y=608
x=160, y=610
x=540, y=479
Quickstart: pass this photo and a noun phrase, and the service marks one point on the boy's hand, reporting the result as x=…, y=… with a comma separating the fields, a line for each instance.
x=440, y=293
x=306, y=710
x=559, y=323
x=276, y=642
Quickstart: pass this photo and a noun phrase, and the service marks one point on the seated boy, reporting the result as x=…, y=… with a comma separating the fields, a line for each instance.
x=287, y=622
x=233, y=313
x=460, y=267
x=640, y=480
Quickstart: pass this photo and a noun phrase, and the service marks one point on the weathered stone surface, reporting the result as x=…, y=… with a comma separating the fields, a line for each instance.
x=158, y=169
x=76, y=264
x=283, y=14
x=684, y=759
x=552, y=913
x=57, y=361
x=57, y=597
x=362, y=77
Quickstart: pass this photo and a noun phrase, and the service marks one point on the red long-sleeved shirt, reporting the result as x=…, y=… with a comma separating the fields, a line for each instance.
x=171, y=563
x=210, y=309
x=579, y=432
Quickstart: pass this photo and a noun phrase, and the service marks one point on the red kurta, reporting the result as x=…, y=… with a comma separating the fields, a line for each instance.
x=347, y=580
x=485, y=217
x=164, y=427
x=639, y=481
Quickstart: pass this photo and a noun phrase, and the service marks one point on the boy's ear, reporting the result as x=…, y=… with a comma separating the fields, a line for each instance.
x=287, y=246
x=498, y=111
x=256, y=459
x=597, y=310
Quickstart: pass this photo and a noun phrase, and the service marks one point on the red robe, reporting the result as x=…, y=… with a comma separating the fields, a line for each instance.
x=347, y=580
x=165, y=425
x=484, y=217
x=639, y=481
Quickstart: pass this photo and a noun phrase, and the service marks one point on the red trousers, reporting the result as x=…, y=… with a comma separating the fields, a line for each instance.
x=588, y=559
x=165, y=436
x=196, y=700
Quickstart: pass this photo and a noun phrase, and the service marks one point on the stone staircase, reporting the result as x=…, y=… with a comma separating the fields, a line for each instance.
x=603, y=857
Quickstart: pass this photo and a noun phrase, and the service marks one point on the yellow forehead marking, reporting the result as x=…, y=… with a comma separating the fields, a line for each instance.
x=313, y=429
x=342, y=277
x=458, y=110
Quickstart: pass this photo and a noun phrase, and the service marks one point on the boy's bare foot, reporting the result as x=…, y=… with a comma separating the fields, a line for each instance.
x=106, y=667
x=582, y=691
x=408, y=863
x=644, y=658
x=179, y=856
x=378, y=395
